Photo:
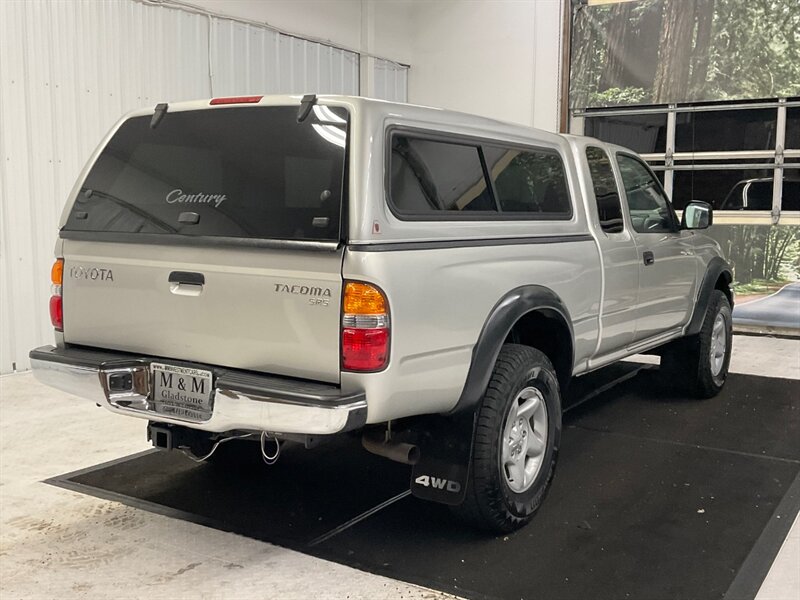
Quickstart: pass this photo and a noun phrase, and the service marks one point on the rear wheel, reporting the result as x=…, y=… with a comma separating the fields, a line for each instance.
x=700, y=362
x=516, y=442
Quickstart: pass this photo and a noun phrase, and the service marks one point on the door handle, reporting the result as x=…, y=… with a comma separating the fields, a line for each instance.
x=649, y=258
x=186, y=283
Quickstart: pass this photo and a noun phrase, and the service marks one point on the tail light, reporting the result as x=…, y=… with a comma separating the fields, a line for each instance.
x=56, y=300
x=365, y=328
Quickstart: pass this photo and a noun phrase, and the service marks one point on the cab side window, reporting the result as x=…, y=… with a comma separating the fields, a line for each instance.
x=606, y=193
x=451, y=179
x=649, y=207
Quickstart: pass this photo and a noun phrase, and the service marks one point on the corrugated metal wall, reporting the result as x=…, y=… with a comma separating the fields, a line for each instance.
x=389, y=80
x=248, y=59
x=69, y=70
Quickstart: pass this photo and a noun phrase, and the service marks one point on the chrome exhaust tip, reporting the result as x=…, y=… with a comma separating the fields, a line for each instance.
x=401, y=452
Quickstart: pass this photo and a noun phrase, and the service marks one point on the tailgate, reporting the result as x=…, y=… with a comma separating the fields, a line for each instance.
x=275, y=311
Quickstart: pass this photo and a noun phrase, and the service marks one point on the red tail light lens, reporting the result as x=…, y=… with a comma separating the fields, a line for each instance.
x=57, y=312
x=364, y=349
x=365, y=328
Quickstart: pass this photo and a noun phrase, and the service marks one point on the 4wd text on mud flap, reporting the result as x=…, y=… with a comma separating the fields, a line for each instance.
x=438, y=483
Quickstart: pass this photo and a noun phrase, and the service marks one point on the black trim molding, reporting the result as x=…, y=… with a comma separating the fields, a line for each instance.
x=176, y=239
x=469, y=243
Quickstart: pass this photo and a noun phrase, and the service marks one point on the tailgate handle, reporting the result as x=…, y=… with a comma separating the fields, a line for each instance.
x=184, y=283
x=187, y=277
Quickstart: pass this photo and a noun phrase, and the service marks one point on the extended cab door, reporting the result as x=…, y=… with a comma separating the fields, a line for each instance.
x=667, y=265
x=619, y=254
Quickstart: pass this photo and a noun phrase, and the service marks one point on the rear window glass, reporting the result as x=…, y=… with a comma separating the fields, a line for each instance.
x=237, y=172
x=430, y=176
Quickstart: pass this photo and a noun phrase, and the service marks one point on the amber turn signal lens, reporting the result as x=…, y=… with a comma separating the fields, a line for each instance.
x=57, y=272
x=363, y=299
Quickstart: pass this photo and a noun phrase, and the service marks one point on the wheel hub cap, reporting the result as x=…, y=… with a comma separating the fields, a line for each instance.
x=524, y=440
x=719, y=344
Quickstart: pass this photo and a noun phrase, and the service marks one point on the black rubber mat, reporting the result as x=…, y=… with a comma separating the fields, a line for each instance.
x=655, y=496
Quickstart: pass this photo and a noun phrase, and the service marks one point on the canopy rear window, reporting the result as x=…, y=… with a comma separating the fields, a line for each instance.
x=238, y=172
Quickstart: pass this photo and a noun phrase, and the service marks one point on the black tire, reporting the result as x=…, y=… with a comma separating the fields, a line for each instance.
x=688, y=363
x=490, y=503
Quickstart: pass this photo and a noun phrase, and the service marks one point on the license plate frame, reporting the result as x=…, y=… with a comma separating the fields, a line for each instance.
x=181, y=392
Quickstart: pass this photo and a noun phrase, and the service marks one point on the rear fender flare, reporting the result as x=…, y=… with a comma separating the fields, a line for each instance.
x=502, y=318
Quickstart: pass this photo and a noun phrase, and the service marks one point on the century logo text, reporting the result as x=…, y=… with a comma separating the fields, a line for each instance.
x=177, y=196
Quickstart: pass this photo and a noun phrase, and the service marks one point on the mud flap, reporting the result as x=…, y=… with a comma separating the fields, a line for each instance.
x=445, y=445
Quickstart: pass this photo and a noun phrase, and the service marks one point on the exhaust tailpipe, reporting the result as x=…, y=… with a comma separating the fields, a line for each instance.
x=408, y=454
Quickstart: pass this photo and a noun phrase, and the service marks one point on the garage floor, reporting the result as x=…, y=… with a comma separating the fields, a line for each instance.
x=634, y=460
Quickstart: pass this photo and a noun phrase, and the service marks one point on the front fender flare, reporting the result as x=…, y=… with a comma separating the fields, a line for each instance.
x=717, y=266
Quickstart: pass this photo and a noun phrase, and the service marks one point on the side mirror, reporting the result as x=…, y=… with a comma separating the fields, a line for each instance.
x=697, y=215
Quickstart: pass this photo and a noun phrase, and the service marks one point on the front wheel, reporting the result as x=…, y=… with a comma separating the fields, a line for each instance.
x=516, y=442
x=701, y=362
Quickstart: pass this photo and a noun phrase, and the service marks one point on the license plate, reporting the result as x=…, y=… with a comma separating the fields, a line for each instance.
x=182, y=392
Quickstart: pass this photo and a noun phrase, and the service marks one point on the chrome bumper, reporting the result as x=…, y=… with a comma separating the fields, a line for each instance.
x=242, y=401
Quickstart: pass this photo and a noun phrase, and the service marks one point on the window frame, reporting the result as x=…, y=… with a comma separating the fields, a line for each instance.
x=676, y=227
x=477, y=143
x=782, y=159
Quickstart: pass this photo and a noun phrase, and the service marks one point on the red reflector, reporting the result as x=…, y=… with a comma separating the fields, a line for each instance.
x=57, y=312
x=237, y=100
x=364, y=349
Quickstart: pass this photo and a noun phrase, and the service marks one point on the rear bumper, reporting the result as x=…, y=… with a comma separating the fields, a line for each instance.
x=241, y=400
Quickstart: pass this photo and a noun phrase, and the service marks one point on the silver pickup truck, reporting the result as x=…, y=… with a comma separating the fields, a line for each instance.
x=283, y=269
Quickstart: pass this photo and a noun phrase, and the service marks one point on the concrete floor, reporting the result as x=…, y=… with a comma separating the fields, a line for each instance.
x=57, y=543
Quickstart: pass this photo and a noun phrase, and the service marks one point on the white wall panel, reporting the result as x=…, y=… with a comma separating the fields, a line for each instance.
x=495, y=58
x=546, y=63
x=69, y=70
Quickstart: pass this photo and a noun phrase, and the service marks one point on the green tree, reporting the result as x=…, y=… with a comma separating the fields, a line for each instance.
x=674, y=50
x=685, y=50
x=754, y=50
x=760, y=252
